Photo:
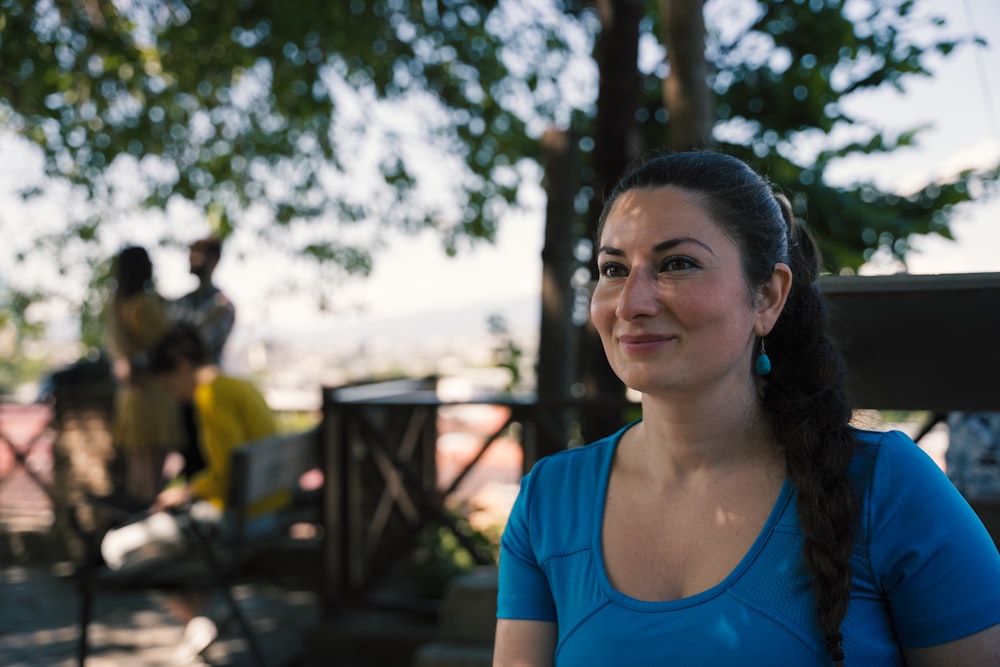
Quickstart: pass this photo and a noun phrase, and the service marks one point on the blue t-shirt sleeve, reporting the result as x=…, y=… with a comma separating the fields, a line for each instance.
x=937, y=565
x=524, y=591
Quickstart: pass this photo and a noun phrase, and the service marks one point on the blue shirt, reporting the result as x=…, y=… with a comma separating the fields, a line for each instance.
x=925, y=572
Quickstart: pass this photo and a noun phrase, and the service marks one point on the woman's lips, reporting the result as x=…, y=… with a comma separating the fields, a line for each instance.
x=639, y=343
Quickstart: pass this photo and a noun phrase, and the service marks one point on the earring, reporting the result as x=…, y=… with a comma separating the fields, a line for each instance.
x=763, y=363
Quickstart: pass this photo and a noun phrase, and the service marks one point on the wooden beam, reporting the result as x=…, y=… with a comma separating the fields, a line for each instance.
x=919, y=342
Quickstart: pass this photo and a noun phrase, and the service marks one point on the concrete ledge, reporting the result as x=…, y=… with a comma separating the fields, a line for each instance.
x=470, y=608
x=29, y=546
x=368, y=639
x=442, y=654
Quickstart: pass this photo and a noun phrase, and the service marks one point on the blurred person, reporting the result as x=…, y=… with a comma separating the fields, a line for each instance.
x=213, y=314
x=229, y=412
x=206, y=307
x=972, y=459
x=146, y=420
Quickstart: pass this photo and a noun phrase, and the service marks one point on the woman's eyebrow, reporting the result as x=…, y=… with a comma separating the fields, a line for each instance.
x=663, y=246
x=672, y=243
x=609, y=250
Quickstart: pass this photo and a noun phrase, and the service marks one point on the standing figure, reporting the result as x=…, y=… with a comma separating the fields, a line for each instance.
x=742, y=520
x=206, y=307
x=146, y=422
x=212, y=314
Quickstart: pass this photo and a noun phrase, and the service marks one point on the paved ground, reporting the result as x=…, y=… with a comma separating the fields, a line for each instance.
x=39, y=606
x=38, y=613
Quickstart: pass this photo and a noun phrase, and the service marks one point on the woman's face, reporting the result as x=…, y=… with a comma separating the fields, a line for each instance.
x=181, y=381
x=671, y=305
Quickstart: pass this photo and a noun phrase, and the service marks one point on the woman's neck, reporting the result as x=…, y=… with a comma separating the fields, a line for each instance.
x=681, y=439
x=206, y=374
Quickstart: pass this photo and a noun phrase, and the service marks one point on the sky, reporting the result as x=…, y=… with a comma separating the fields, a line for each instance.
x=961, y=107
x=416, y=290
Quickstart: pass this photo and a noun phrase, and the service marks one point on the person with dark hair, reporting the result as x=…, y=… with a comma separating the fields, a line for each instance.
x=212, y=313
x=146, y=421
x=742, y=520
x=206, y=307
x=229, y=413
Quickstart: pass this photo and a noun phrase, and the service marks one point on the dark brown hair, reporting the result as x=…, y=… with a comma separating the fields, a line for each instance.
x=181, y=343
x=210, y=245
x=133, y=272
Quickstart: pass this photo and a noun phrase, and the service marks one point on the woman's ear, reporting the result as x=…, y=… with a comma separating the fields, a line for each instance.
x=771, y=299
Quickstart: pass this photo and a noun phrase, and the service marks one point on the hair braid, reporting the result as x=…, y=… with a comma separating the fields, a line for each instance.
x=810, y=413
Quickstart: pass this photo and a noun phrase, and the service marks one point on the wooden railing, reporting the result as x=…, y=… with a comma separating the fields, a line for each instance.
x=381, y=470
x=26, y=461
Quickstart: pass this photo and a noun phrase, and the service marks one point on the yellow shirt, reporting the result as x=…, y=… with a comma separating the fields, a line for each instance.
x=231, y=413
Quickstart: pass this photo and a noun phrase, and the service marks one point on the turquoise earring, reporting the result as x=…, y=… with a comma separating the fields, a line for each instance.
x=763, y=363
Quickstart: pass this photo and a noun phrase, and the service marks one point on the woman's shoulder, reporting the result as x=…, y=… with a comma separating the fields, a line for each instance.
x=891, y=470
x=571, y=476
x=892, y=453
x=147, y=300
x=580, y=458
x=890, y=447
x=238, y=388
x=923, y=545
x=146, y=309
x=232, y=382
x=559, y=498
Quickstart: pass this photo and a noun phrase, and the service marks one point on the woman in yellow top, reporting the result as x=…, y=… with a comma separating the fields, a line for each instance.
x=229, y=413
x=146, y=420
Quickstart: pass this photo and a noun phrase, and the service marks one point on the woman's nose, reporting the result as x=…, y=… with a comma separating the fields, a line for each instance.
x=638, y=296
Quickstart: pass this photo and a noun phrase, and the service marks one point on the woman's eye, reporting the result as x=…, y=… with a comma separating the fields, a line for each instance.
x=612, y=270
x=677, y=264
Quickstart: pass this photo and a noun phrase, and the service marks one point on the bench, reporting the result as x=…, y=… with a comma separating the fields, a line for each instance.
x=259, y=470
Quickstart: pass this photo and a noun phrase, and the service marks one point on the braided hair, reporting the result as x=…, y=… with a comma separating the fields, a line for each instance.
x=804, y=395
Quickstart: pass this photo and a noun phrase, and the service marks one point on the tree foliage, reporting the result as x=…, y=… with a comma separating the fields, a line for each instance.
x=311, y=110
x=783, y=75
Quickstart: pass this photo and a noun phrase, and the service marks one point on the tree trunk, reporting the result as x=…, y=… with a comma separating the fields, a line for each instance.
x=686, y=94
x=616, y=144
x=556, y=351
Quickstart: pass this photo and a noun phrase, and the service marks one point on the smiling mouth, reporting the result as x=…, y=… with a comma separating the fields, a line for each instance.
x=638, y=344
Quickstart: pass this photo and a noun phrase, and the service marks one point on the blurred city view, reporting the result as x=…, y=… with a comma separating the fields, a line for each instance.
x=292, y=365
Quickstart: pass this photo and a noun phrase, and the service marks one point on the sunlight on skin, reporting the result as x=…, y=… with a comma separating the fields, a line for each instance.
x=725, y=517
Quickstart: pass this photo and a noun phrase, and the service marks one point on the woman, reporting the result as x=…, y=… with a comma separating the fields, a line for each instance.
x=147, y=420
x=742, y=521
x=229, y=412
